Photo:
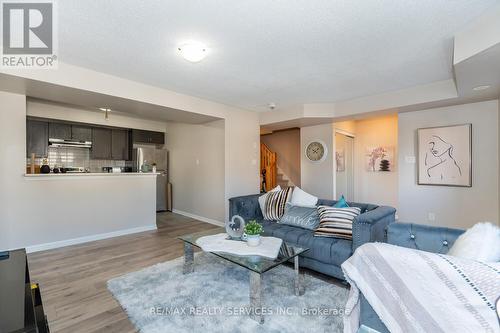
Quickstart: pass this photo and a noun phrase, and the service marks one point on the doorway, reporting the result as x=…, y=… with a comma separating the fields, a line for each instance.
x=344, y=166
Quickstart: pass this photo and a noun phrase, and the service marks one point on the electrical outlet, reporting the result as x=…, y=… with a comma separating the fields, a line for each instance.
x=431, y=217
x=197, y=162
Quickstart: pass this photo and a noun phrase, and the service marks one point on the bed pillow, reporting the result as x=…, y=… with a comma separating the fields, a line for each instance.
x=262, y=199
x=481, y=243
x=305, y=217
x=302, y=198
x=275, y=204
x=336, y=222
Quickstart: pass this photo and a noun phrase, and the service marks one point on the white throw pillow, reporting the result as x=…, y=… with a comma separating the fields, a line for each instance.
x=302, y=198
x=262, y=199
x=481, y=243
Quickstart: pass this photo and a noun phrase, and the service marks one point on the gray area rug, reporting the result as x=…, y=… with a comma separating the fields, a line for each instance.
x=215, y=297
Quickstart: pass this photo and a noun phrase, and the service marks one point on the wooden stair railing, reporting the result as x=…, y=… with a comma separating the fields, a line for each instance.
x=268, y=164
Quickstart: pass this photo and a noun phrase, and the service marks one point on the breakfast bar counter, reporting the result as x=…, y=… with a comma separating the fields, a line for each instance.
x=88, y=174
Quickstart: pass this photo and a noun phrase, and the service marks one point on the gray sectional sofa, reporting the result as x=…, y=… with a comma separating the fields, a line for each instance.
x=413, y=236
x=325, y=254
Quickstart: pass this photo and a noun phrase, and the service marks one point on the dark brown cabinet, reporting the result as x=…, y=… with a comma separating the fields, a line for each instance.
x=120, y=144
x=101, y=143
x=107, y=143
x=59, y=131
x=81, y=133
x=37, y=138
x=140, y=136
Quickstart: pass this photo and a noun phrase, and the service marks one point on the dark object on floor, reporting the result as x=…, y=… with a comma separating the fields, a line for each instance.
x=4, y=255
x=21, y=308
x=264, y=185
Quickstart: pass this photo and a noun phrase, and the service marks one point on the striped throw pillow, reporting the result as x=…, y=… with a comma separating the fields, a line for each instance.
x=336, y=222
x=275, y=204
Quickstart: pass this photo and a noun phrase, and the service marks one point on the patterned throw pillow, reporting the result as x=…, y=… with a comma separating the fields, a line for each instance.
x=305, y=217
x=275, y=204
x=336, y=222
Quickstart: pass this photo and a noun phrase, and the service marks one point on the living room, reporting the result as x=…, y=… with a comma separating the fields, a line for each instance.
x=335, y=163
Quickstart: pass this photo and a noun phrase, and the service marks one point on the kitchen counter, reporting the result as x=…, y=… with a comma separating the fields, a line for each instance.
x=81, y=207
x=89, y=174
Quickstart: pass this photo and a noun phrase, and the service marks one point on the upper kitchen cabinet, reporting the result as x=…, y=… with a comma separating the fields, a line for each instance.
x=101, y=143
x=81, y=133
x=59, y=131
x=140, y=136
x=120, y=148
x=37, y=138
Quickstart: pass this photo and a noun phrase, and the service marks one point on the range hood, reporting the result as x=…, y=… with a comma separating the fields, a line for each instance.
x=60, y=143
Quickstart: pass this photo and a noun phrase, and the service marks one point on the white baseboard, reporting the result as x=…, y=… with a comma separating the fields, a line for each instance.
x=200, y=218
x=85, y=239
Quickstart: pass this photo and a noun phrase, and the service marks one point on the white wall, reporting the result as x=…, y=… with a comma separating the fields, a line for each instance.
x=380, y=188
x=242, y=154
x=197, y=164
x=13, y=152
x=317, y=178
x=37, y=211
x=458, y=207
x=228, y=151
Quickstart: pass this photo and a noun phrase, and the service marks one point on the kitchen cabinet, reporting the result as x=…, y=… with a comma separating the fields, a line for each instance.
x=81, y=133
x=120, y=144
x=101, y=143
x=59, y=131
x=37, y=138
x=140, y=136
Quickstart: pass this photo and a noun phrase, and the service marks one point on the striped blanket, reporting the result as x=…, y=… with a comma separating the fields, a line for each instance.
x=417, y=291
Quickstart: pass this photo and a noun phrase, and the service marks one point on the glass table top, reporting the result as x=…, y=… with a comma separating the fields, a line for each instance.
x=257, y=264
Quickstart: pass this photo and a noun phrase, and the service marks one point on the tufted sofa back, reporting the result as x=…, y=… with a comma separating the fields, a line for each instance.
x=364, y=206
x=422, y=237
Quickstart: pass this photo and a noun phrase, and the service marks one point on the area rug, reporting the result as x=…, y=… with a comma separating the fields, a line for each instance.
x=215, y=298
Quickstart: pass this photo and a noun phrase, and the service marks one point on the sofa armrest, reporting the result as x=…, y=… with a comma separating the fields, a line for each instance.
x=371, y=226
x=422, y=237
x=246, y=206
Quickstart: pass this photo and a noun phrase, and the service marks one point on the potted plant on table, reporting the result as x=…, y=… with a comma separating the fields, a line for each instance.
x=252, y=232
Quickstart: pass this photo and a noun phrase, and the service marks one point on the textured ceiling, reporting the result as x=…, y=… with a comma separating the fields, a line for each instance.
x=287, y=52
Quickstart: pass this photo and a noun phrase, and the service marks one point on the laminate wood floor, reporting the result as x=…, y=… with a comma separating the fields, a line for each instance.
x=73, y=279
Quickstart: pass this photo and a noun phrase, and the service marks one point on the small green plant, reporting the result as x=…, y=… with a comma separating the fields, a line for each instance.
x=253, y=228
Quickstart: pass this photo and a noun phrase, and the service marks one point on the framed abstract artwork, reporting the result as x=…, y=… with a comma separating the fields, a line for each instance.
x=445, y=155
x=340, y=160
x=379, y=159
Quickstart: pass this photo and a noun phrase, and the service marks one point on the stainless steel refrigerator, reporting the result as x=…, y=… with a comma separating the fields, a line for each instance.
x=144, y=159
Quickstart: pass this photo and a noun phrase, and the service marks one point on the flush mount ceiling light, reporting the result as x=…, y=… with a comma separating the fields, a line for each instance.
x=193, y=51
x=483, y=87
x=106, y=112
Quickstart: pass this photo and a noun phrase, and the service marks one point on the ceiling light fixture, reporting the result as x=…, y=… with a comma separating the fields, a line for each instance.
x=193, y=51
x=483, y=87
x=106, y=112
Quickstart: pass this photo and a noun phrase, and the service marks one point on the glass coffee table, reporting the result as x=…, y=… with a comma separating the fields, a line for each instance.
x=255, y=264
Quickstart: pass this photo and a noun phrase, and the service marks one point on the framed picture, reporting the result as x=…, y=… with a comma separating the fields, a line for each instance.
x=340, y=160
x=445, y=155
x=379, y=159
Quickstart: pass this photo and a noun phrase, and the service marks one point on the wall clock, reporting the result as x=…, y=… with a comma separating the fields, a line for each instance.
x=316, y=151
